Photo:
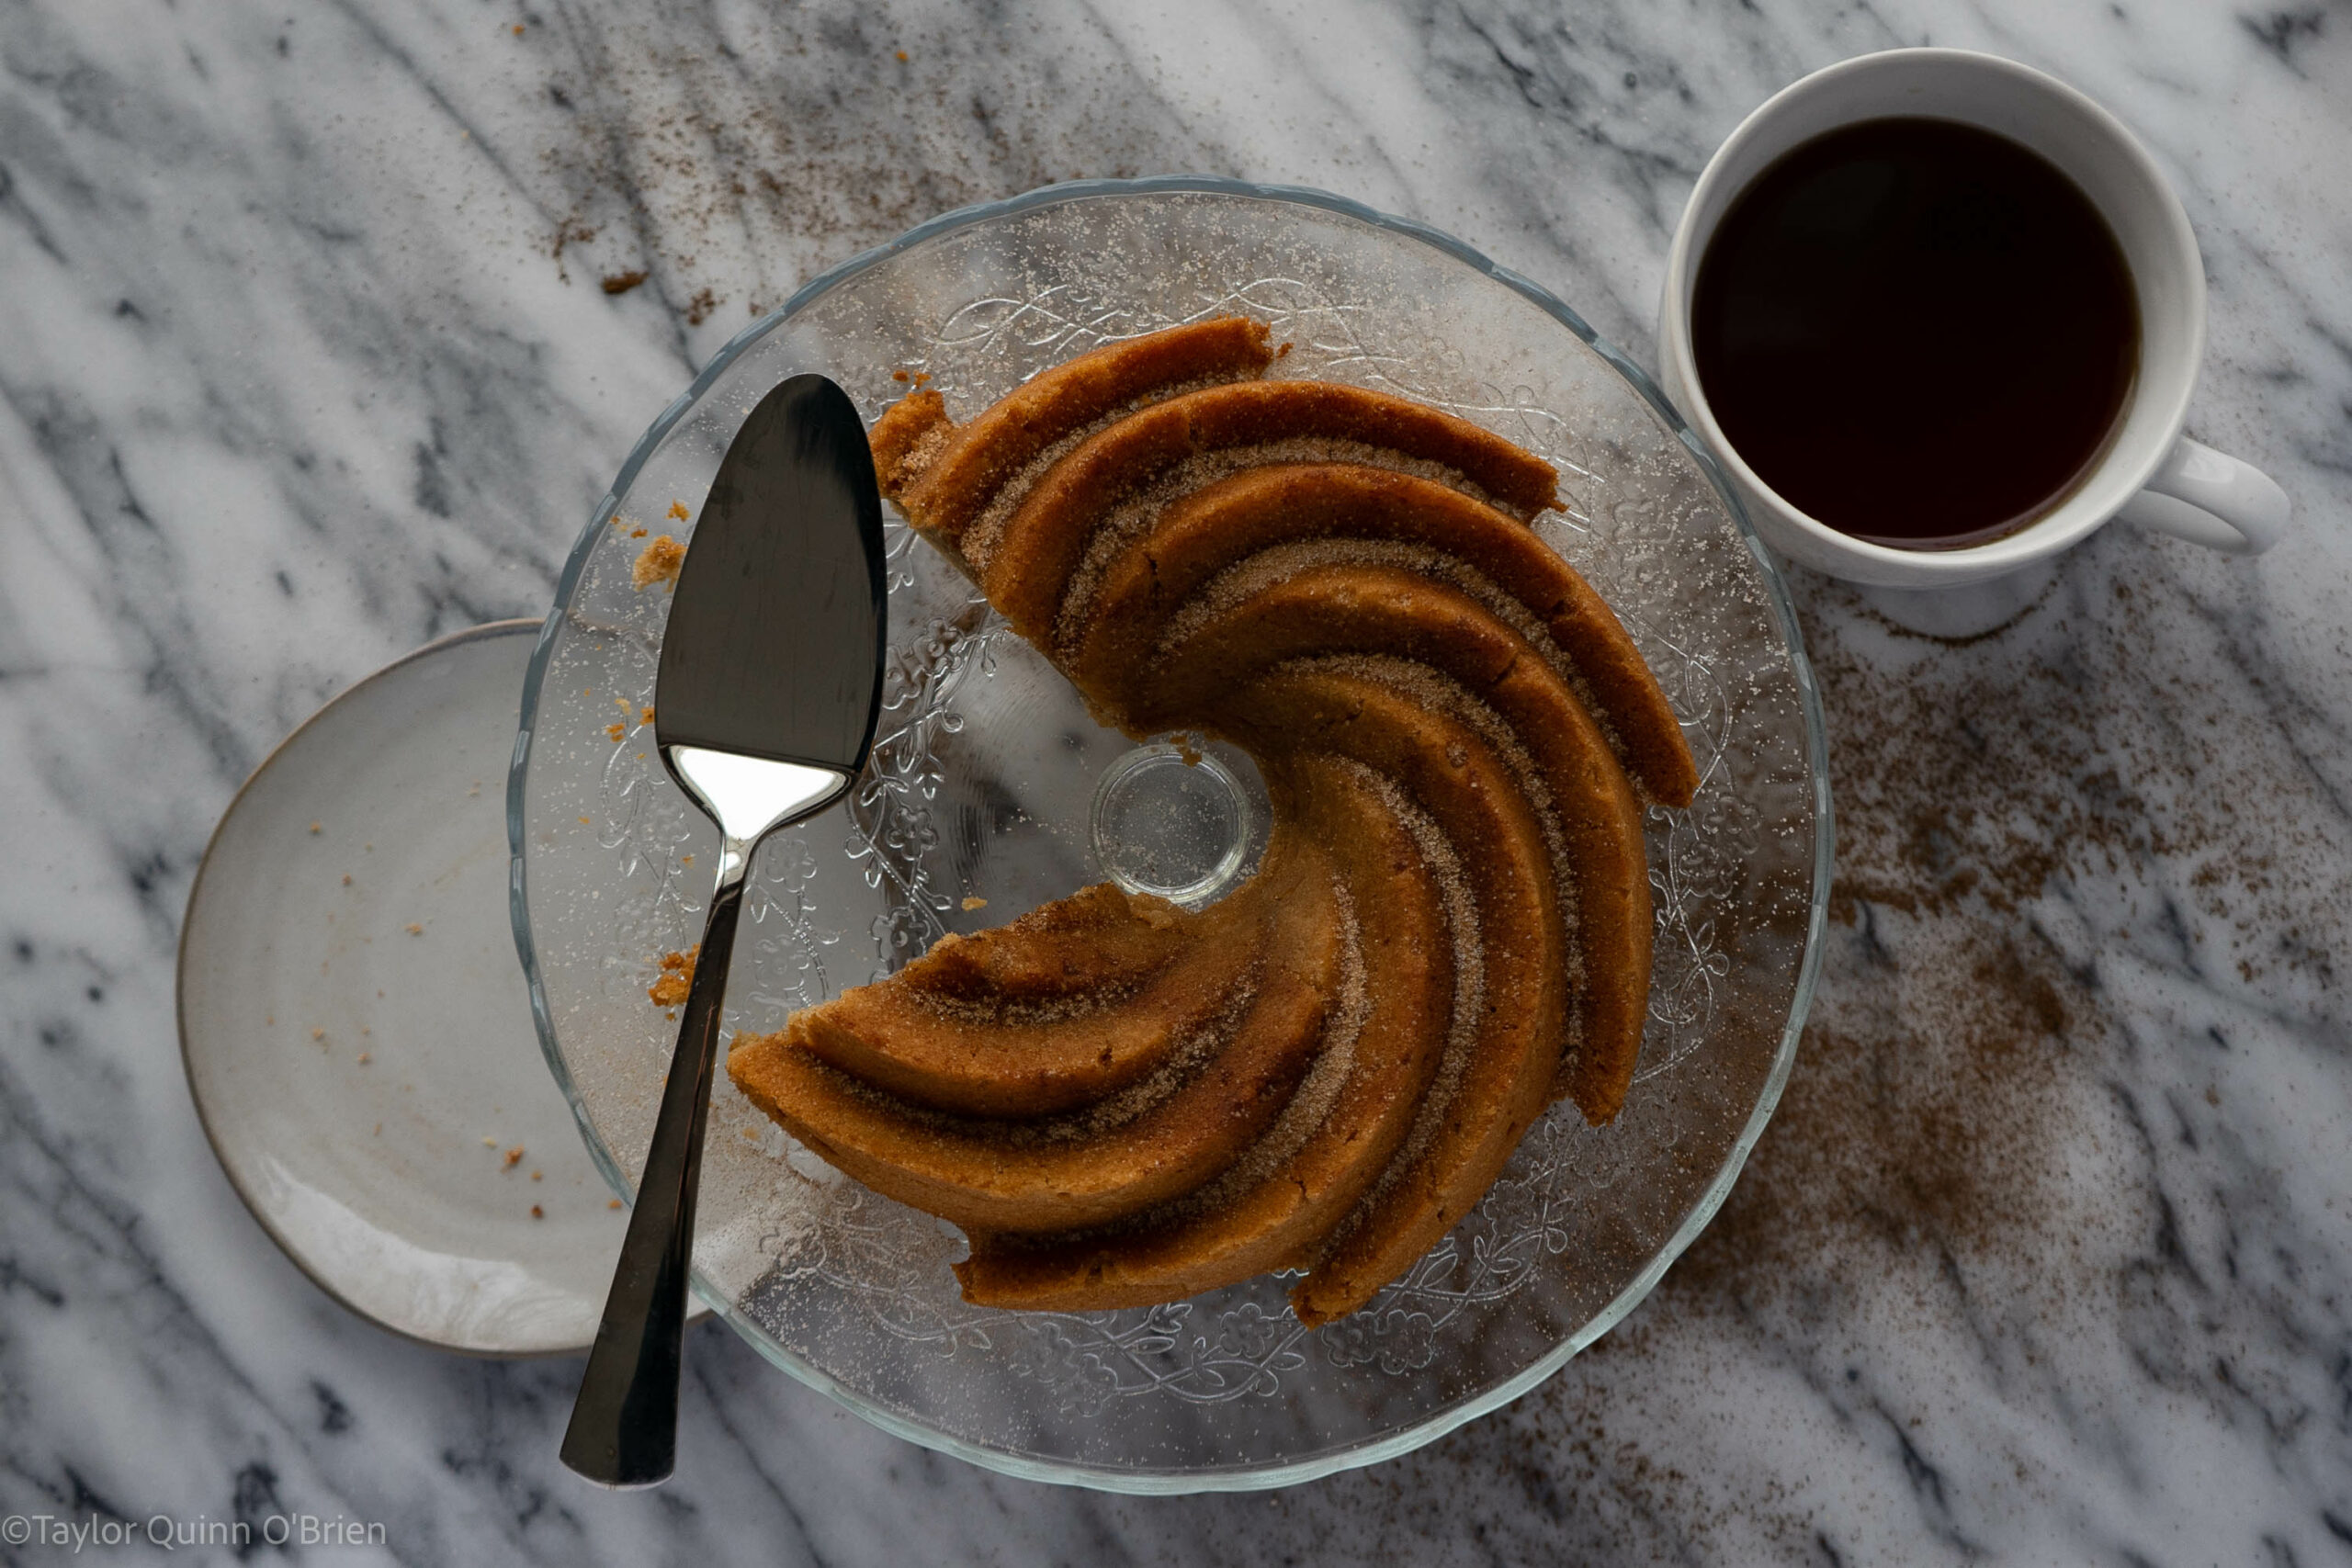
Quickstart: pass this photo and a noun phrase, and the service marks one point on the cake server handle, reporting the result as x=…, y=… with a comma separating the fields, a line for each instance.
x=624, y=1428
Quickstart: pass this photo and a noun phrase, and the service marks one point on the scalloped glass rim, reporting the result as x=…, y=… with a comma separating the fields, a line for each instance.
x=1250, y=1478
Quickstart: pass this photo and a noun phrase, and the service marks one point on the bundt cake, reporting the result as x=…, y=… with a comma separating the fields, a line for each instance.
x=1123, y=1101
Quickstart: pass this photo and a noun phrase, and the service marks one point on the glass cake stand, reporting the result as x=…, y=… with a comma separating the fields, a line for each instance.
x=990, y=791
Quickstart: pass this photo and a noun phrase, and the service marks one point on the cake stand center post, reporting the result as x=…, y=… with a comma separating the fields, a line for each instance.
x=1182, y=821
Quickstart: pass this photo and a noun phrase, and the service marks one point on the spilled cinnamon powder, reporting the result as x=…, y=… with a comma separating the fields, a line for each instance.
x=695, y=151
x=1960, y=1169
x=1930, y=1112
x=1983, y=790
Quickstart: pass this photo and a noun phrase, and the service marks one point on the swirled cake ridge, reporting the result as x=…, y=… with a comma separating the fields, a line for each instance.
x=1126, y=1102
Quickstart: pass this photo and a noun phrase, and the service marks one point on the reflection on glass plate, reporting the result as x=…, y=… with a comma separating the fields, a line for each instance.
x=979, y=804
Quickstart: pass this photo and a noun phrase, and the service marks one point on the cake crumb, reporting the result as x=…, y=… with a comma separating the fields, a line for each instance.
x=489, y=1142
x=584, y=821
x=677, y=978
x=615, y=731
x=314, y=826
x=636, y=534
x=414, y=929
x=518, y=29
x=537, y=1213
x=645, y=716
x=972, y=903
x=534, y=1175
x=366, y=1057
x=611, y=1202
x=514, y=1157
x=659, y=563
x=678, y=510
x=622, y=282
x=346, y=879
x=379, y=1129
x=318, y=1034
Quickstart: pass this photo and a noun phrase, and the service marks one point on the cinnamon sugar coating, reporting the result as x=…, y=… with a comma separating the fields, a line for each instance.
x=1123, y=1102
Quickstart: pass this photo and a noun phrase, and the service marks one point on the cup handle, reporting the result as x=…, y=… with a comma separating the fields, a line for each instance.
x=2211, y=499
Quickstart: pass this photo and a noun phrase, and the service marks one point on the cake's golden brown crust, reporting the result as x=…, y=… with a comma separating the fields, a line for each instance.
x=1224, y=522
x=1091, y=1170
x=1502, y=1077
x=1064, y=1006
x=1028, y=570
x=1098, y=938
x=946, y=490
x=1385, y=610
x=1393, y=1041
x=906, y=438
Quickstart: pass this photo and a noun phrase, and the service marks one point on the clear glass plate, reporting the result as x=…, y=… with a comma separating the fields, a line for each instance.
x=983, y=775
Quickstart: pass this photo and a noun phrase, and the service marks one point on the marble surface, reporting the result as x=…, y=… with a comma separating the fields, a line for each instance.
x=306, y=356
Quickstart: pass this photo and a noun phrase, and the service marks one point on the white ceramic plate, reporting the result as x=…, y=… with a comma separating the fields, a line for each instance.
x=356, y=1033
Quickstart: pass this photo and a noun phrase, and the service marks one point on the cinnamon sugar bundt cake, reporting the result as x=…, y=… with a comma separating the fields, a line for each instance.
x=1125, y=1102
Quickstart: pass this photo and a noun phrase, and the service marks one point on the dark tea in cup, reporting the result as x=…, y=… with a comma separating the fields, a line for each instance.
x=1917, y=332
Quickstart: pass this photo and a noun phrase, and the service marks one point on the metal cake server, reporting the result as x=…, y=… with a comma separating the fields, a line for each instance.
x=770, y=680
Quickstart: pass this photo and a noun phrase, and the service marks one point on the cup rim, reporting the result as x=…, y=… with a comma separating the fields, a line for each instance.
x=2109, y=485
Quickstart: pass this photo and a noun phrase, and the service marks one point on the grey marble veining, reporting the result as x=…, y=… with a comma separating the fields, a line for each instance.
x=305, y=356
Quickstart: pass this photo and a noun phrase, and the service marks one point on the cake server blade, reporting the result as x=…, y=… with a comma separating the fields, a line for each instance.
x=769, y=685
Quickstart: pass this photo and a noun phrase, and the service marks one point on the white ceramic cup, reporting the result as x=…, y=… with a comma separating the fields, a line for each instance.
x=2151, y=474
